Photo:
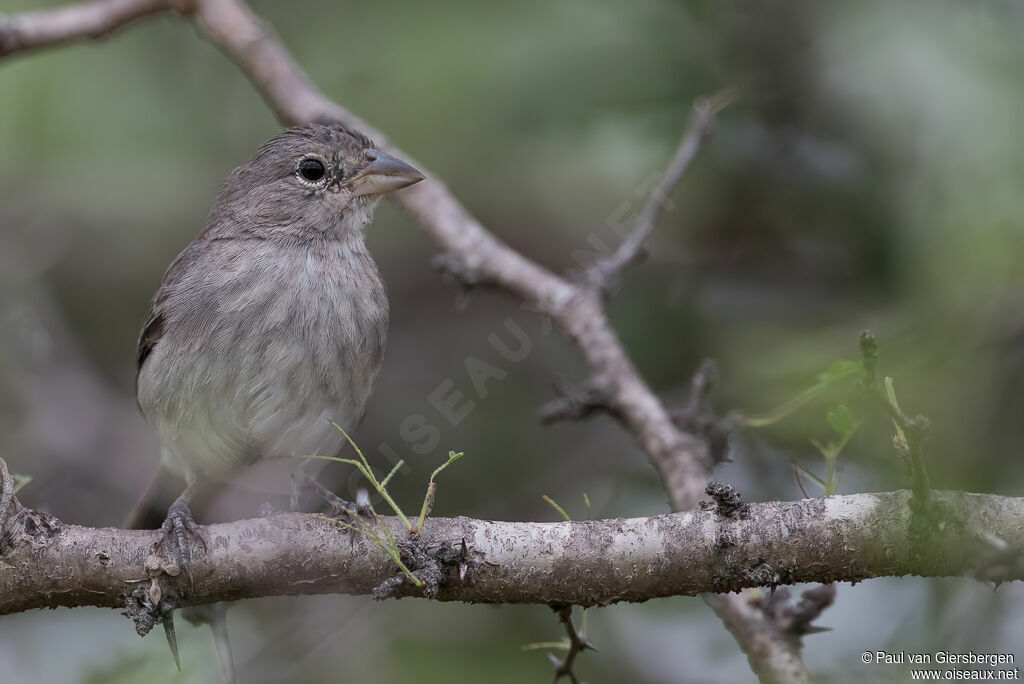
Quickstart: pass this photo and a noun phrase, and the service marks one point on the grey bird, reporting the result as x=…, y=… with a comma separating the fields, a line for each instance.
x=271, y=324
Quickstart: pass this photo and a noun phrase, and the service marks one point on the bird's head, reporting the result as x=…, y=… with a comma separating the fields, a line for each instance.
x=314, y=180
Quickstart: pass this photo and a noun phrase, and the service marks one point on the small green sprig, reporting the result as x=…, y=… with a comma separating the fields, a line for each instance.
x=841, y=419
x=837, y=373
x=374, y=528
x=845, y=424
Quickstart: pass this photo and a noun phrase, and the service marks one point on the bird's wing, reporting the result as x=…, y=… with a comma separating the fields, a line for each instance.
x=153, y=329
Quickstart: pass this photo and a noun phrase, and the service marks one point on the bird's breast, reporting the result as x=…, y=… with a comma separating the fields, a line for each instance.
x=268, y=347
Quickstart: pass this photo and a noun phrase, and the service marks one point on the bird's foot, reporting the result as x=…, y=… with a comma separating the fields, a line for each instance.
x=182, y=531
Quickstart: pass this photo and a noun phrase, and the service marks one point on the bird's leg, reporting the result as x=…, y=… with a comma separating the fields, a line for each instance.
x=182, y=530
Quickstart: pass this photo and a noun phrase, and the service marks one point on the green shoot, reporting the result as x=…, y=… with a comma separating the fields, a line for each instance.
x=556, y=506
x=384, y=482
x=836, y=373
x=387, y=544
x=364, y=468
x=375, y=530
x=900, y=439
x=841, y=419
x=428, y=500
x=845, y=424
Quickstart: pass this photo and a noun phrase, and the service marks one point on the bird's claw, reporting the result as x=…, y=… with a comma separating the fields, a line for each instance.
x=184, y=533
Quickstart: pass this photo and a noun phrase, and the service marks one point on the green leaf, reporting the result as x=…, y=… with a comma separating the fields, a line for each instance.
x=842, y=420
x=839, y=371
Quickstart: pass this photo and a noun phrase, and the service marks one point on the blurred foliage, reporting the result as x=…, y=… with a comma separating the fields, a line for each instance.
x=868, y=177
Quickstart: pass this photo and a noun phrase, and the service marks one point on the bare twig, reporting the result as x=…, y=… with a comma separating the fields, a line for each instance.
x=69, y=23
x=577, y=644
x=573, y=403
x=603, y=273
x=698, y=417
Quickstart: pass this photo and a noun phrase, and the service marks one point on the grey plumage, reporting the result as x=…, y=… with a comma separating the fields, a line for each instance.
x=273, y=320
x=270, y=325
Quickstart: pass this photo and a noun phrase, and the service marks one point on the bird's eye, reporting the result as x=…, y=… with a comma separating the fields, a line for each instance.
x=311, y=169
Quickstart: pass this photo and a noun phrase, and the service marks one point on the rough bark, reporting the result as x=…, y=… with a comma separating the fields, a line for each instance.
x=46, y=563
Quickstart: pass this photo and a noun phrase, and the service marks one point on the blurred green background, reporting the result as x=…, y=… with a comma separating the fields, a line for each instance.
x=869, y=175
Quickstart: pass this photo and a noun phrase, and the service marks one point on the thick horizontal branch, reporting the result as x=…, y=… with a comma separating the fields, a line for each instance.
x=46, y=563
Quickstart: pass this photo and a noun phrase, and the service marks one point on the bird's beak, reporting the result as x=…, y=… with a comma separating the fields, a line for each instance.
x=384, y=174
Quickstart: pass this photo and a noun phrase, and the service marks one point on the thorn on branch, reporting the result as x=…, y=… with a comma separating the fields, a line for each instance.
x=998, y=560
x=577, y=644
x=575, y=403
x=795, y=619
x=809, y=608
x=172, y=637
